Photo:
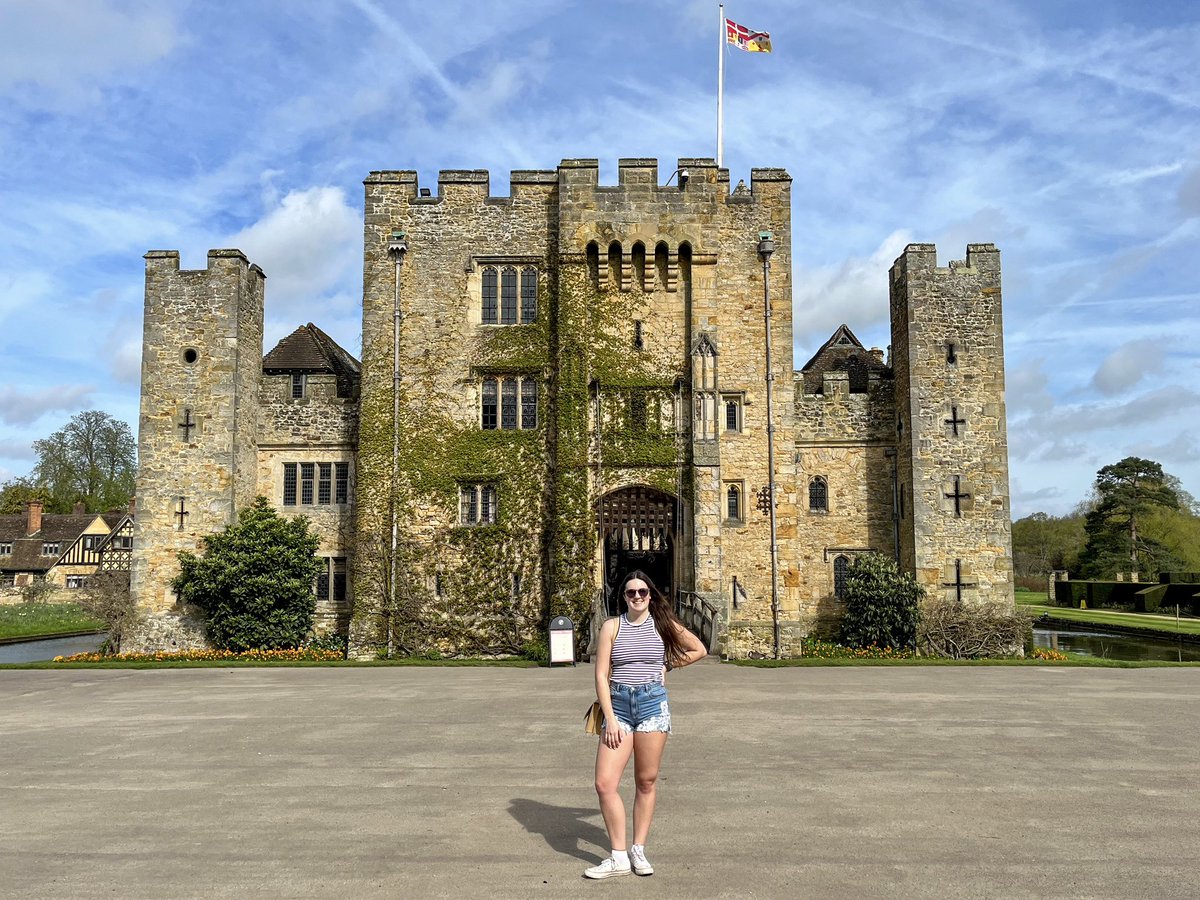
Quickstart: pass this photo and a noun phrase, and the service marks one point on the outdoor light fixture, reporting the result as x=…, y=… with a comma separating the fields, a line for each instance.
x=766, y=244
x=398, y=245
x=683, y=178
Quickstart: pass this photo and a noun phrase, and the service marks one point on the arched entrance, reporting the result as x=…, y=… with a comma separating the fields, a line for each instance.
x=637, y=531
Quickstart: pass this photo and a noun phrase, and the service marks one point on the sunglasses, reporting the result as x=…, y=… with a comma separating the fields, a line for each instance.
x=637, y=592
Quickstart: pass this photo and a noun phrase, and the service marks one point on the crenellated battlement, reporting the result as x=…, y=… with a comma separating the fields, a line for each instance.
x=922, y=258
x=166, y=262
x=692, y=178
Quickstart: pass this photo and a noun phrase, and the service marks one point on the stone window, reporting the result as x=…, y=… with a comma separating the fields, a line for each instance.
x=74, y=582
x=818, y=495
x=841, y=567
x=289, y=484
x=529, y=287
x=320, y=484
x=951, y=353
x=529, y=398
x=342, y=471
x=732, y=404
x=6, y=549
x=509, y=297
x=308, y=473
x=639, y=337
x=324, y=483
x=734, y=502
x=477, y=504
x=51, y=548
x=297, y=385
x=331, y=583
x=508, y=403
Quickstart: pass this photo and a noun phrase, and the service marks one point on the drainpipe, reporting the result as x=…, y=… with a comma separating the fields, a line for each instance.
x=397, y=247
x=766, y=246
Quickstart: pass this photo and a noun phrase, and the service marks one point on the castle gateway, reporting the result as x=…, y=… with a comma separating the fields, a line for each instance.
x=568, y=382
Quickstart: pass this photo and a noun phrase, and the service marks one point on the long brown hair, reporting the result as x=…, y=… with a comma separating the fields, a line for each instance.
x=665, y=619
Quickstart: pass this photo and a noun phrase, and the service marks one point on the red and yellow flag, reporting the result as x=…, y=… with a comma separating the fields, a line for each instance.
x=743, y=37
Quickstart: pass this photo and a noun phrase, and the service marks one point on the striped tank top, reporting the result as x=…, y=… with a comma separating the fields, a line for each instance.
x=638, y=653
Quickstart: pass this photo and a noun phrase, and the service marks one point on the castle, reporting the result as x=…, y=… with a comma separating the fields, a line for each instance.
x=566, y=383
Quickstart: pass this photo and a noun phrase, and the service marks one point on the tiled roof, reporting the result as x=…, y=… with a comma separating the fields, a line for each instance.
x=309, y=349
x=26, y=553
x=842, y=353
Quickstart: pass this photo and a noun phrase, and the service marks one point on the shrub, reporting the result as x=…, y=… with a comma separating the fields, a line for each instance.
x=972, y=630
x=254, y=581
x=882, y=604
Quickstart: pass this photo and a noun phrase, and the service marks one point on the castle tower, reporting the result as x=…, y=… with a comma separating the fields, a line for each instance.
x=201, y=373
x=560, y=417
x=952, y=460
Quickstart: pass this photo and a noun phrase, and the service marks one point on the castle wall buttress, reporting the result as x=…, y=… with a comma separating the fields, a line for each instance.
x=948, y=358
x=197, y=430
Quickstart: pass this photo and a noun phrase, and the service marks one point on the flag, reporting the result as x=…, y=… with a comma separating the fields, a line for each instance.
x=742, y=37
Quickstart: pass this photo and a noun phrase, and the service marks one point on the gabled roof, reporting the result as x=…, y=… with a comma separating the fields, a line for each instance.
x=62, y=529
x=843, y=352
x=309, y=349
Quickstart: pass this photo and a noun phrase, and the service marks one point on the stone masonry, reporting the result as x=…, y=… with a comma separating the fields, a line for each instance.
x=581, y=387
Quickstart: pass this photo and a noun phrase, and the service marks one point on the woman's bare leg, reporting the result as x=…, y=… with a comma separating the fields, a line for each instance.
x=647, y=756
x=610, y=765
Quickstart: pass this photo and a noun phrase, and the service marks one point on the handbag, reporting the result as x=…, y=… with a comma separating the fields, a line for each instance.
x=593, y=719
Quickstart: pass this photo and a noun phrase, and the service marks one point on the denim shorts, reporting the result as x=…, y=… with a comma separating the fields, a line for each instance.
x=641, y=707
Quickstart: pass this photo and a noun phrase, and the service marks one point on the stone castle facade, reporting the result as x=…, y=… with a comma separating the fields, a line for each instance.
x=566, y=383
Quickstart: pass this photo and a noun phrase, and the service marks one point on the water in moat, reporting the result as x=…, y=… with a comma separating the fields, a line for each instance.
x=1106, y=645
x=38, y=651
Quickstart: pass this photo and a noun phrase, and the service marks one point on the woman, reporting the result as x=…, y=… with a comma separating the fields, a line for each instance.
x=636, y=650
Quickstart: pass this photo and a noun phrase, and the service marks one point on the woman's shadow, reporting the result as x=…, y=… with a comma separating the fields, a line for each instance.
x=563, y=827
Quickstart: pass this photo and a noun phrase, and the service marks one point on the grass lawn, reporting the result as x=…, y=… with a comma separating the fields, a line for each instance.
x=1036, y=602
x=36, y=619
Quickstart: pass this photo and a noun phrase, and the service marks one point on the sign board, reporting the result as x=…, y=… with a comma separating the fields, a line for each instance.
x=562, y=640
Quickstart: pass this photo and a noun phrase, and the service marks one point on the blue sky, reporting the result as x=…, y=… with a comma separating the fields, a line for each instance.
x=1065, y=132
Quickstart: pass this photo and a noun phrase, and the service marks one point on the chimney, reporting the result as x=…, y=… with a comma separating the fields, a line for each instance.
x=877, y=354
x=33, y=517
x=80, y=508
x=133, y=506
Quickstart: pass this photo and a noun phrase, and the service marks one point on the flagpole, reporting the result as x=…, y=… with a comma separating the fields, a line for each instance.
x=721, y=85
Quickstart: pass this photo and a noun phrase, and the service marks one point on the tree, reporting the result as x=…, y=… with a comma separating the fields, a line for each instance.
x=107, y=597
x=15, y=493
x=1129, y=493
x=1044, y=543
x=255, y=580
x=882, y=604
x=93, y=459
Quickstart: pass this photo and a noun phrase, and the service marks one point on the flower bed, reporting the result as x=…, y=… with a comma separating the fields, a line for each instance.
x=303, y=654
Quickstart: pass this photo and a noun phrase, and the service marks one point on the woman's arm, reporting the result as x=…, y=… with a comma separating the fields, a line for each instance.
x=695, y=649
x=612, y=731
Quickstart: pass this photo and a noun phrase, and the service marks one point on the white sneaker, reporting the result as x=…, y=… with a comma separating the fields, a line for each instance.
x=607, y=869
x=637, y=859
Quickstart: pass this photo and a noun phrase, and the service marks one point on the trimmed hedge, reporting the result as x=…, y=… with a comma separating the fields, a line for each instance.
x=1132, y=596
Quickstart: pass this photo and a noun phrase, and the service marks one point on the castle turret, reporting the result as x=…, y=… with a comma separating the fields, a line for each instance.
x=948, y=358
x=201, y=374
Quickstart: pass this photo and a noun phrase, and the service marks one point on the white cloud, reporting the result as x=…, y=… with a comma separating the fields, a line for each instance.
x=308, y=246
x=25, y=407
x=1127, y=365
x=66, y=46
x=854, y=292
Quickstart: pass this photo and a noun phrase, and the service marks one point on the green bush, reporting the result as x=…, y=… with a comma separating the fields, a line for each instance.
x=882, y=604
x=254, y=581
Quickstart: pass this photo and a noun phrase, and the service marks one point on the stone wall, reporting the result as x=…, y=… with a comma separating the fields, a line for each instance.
x=201, y=363
x=319, y=427
x=848, y=439
x=948, y=359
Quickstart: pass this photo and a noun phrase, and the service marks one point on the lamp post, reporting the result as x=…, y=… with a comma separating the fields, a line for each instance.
x=397, y=247
x=766, y=246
